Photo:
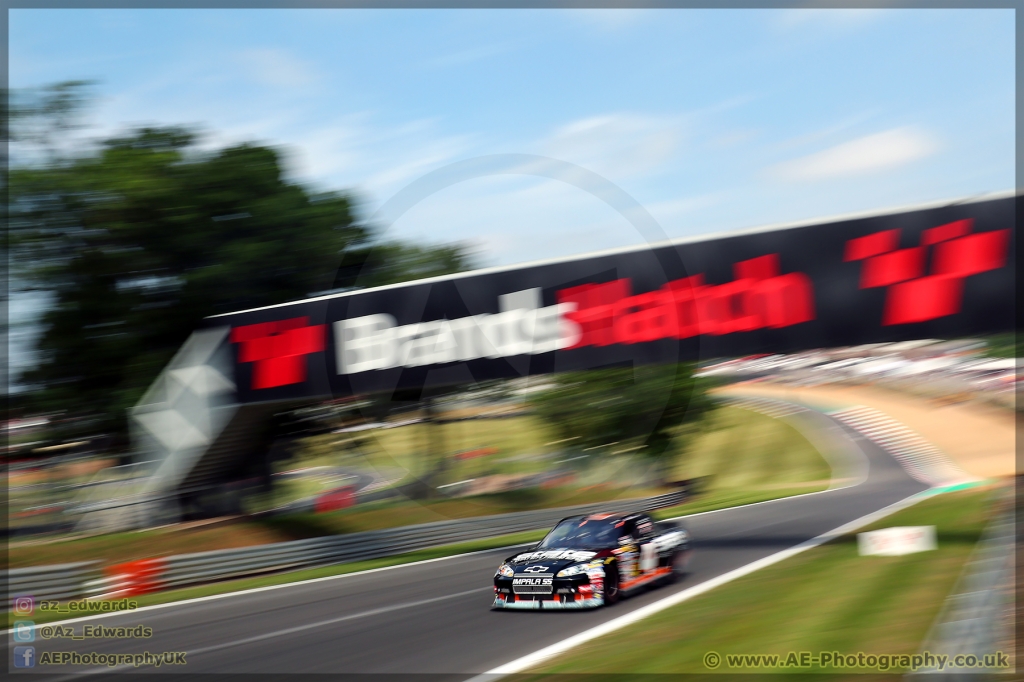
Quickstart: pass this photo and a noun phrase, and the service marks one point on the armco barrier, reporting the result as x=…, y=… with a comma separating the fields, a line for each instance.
x=190, y=569
x=61, y=581
x=72, y=581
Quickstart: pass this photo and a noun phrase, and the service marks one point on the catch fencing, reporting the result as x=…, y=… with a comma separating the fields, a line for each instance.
x=85, y=580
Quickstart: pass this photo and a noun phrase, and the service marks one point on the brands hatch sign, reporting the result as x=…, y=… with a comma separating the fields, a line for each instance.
x=586, y=315
x=931, y=273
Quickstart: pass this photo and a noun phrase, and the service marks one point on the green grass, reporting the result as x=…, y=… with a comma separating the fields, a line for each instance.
x=733, y=441
x=826, y=599
x=404, y=447
x=742, y=450
x=296, y=488
x=703, y=504
x=1004, y=346
x=394, y=513
x=726, y=498
x=737, y=449
x=113, y=548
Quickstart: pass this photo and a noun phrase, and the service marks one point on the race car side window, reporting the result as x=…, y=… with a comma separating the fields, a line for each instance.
x=632, y=529
x=645, y=526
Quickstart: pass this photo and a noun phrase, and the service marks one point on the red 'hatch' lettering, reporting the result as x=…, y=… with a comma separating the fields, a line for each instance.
x=758, y=298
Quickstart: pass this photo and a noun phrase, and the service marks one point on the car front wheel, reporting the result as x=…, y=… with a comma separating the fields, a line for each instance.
x=611, y=585
x=680, y=562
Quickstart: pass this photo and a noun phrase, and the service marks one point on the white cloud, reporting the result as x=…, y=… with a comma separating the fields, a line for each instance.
x=328, y=150
x=424, y=159
x=818, y=17
x=733, y=138
x=608, y=19
x=516, y=218
x=513, y=218
x=876, y=152
x=823, y=135
x=671, y=209
x=616, y=144
x=355, y=151
x=277, y=68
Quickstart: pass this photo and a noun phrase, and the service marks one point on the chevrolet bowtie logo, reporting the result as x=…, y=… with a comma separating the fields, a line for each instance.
x=537, y=569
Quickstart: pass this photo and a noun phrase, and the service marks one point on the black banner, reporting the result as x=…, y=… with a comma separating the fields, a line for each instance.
x=934, y=273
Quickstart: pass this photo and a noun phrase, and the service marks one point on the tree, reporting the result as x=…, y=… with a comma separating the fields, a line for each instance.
x=652, y=408
x=142, y=238
x=41, y=119
x=389, y=262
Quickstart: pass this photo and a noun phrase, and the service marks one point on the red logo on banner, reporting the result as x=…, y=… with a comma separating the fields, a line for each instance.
x=911, y=297
x=758, y=298
x=278, y=350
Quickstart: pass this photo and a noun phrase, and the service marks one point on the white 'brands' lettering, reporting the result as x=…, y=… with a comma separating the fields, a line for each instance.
x=522, y=327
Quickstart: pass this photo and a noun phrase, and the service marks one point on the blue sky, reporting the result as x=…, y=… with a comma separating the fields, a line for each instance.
x=712, y=119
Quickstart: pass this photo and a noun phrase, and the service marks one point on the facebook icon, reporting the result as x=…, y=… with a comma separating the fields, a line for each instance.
x=24, y=657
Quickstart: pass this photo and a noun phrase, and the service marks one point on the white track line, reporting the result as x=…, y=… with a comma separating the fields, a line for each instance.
x=332, y=621
x=266, y=588
x=255, y=590
x=753, y=504
x=531, y=660
x=290, y=631
x=537, y=657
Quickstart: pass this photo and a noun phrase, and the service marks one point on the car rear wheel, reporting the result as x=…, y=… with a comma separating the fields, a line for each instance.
x=611, y=585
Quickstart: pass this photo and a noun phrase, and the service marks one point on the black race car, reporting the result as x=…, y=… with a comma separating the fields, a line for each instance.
x=590, y=561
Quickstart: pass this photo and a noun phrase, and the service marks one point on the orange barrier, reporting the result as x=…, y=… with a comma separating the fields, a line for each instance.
x=339, y=498
x=479, y=452
x=133, y=578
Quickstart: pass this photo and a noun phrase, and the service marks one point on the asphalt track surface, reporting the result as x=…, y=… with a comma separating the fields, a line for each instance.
x=435, y=617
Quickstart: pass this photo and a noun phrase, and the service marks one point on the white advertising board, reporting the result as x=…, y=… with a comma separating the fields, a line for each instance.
x=896, y=541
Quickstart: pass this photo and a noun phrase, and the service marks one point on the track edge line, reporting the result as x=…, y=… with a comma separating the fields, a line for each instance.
x=530, y=660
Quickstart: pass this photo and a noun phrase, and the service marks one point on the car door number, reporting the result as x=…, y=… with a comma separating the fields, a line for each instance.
x=648, y=557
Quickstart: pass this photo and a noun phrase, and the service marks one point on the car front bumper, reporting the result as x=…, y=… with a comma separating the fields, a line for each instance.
x=502, y=601
x=576, y=592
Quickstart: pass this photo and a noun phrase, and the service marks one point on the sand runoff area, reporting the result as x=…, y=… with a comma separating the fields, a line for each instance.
x=979, y=438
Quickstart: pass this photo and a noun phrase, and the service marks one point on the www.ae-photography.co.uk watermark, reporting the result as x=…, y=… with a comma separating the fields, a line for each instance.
x=834, y=660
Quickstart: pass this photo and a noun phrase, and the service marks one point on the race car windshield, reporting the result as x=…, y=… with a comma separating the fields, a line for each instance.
x=582, y=533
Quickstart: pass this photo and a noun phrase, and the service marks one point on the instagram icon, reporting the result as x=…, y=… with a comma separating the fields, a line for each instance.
x=23, y=606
